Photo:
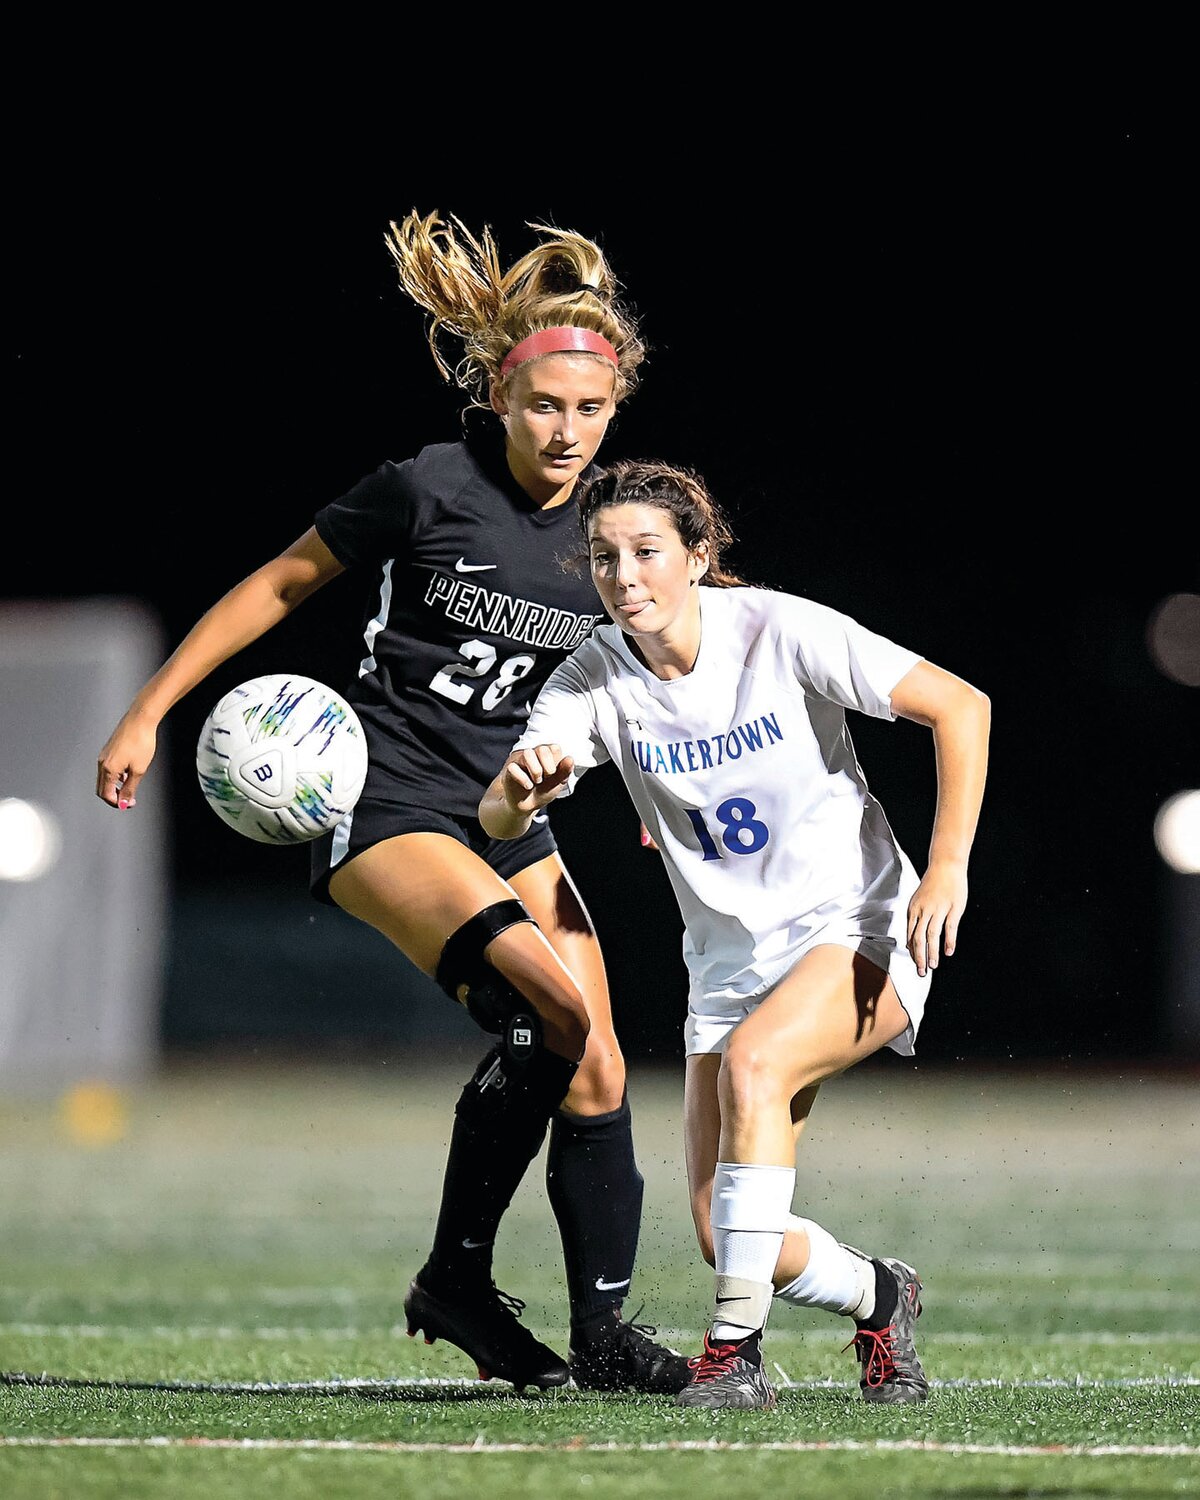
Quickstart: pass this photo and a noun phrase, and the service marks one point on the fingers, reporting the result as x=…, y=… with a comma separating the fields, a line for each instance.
x=536, y=775
x=117, y=788
x=931, y=934
x=541, y=762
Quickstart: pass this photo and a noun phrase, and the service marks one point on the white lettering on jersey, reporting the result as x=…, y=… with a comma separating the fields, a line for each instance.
x=496, y=613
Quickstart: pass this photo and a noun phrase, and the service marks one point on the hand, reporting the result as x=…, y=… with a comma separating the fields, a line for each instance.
x=124, y=760
x=647, y=841
x=534, y=777
x=934, y=913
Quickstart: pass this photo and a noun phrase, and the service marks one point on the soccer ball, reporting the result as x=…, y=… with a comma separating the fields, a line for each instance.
x=282, y=759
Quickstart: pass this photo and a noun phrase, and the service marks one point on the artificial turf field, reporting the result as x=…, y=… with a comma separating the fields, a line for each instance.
x=237, y=1227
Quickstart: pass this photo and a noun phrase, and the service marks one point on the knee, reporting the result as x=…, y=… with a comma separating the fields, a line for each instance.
x=567, y=1025
x=599, y=1086
x=751, y=1078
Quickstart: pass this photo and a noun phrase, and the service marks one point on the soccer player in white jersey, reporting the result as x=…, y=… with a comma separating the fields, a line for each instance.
x=810, y=938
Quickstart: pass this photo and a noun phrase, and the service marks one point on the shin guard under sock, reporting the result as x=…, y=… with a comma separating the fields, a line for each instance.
x=595, y=1190
x=499, y=1125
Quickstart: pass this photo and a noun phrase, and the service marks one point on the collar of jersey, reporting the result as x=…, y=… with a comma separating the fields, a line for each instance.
x=704, y=657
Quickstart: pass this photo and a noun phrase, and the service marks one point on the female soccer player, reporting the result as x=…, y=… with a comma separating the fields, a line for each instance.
x=809, y=939
x=466, y=610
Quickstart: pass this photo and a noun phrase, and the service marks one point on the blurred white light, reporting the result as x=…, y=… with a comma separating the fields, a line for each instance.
x=29, y=840
x=1177, y=832
x=1173, y=636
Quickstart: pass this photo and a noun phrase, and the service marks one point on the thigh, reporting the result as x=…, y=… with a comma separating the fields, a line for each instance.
x=831, y=1010
x=417, y=889
x=553, y=901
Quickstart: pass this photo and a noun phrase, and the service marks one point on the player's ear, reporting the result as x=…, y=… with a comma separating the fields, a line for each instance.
x=496, y=397
x=698, y=563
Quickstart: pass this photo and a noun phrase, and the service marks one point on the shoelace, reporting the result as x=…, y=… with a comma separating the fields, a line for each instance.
x=647, y=1330
x=506, y=1299
x=875, y=1350
x=717, y=1359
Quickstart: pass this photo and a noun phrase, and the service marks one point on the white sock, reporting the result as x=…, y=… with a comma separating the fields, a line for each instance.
x=835, y=1279
x=751, y=1206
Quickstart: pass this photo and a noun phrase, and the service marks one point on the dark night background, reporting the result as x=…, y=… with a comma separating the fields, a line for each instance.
x=937, y=380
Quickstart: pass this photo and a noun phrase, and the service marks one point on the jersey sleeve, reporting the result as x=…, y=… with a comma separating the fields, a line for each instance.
x=841, y=660
x=376, y=519
x=564, y=713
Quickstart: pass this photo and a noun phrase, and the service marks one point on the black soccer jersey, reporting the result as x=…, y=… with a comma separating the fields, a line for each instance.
x=469, y=609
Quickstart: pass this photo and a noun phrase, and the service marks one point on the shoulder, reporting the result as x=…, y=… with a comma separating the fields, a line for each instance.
x=794, y=614
x=749, y=611
x=438, y=463
x=596, y=658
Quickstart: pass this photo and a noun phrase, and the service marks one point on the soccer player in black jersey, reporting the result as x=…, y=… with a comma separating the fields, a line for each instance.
x=466, y=611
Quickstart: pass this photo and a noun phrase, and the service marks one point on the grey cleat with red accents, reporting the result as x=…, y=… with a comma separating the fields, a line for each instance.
x=729, y=1375
x=891, y=1371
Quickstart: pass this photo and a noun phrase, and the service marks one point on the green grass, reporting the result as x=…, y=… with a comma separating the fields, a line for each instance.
x=259, y=1226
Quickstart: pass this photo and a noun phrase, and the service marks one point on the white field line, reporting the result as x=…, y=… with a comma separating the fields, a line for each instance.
x=675, y=1335
x=575, y=1445
x=45, y=1381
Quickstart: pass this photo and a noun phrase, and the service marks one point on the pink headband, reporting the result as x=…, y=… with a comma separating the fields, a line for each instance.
x=558, y=341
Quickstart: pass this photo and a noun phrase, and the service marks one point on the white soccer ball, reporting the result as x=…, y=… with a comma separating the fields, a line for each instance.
x=282, y=759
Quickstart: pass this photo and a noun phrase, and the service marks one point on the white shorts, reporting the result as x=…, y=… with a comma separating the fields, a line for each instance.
x=709, y=1024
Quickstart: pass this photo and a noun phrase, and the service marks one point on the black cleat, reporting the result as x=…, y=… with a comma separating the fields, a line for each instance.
x=620, y=1356
x=891, y=1371
x=484, y=1326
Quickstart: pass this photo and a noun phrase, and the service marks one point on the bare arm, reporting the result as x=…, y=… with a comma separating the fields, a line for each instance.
x=960, y=717
x=246, y=612
x=528, y=781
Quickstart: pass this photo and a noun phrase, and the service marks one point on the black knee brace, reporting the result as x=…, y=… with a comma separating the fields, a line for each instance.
x=492, y=1001
x=504, y=1100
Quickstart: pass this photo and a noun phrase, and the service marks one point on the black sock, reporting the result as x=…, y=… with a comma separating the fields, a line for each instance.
x=499, y=1125
x=750, y=1348
x=886, y=1297
x=595, y=1190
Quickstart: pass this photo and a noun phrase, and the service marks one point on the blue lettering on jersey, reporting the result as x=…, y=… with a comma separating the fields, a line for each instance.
x=705, y=753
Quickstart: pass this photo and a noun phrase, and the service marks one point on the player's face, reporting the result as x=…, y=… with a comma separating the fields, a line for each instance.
x=644, y=574
x=555, y=412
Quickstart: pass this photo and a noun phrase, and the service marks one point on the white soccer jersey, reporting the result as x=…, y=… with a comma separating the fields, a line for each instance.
x=745, y=775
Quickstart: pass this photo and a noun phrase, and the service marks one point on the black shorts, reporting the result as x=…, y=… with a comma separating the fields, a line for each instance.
x=373, y=819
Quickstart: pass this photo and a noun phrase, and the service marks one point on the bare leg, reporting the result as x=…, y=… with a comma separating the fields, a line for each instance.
x=751, y=1103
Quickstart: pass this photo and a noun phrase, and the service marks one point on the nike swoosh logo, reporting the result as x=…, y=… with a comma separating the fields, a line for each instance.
x=610, y=1286
x=475, y=1244
x=721, y=1300
x=466, y=567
